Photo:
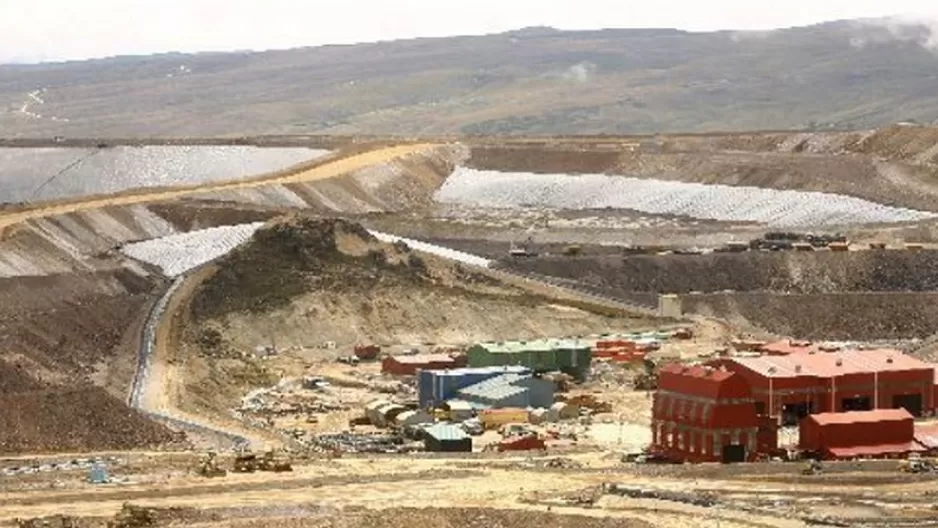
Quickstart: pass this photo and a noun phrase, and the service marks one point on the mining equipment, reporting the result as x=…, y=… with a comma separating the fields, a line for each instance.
x=208, y=466
x=245, y=462
x=272, y=462
x=916, y=465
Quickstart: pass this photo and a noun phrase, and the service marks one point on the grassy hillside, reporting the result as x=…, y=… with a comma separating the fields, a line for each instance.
x=540, y=81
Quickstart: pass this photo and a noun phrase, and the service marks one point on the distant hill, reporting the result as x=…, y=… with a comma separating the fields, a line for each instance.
x=845, y=74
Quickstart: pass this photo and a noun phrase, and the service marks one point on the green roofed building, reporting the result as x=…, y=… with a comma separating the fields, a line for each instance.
x=543, y=355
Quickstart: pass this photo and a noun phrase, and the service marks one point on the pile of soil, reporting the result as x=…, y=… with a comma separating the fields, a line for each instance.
x=299, y=254
x=74, y=420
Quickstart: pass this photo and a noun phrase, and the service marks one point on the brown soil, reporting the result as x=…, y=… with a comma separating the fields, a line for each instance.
x=64, y=328
x=835, y=316
x=784, y=271
x=81, y=419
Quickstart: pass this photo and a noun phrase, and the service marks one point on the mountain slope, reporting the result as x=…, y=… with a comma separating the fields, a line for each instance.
x=841, y=74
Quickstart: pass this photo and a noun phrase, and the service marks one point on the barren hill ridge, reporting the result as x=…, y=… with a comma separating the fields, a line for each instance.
x=849, y=74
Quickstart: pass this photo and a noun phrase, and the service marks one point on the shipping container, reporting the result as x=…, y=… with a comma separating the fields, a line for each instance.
x=495, y=418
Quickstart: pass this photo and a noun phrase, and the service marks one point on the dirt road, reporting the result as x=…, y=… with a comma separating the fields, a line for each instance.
x=328, y=169
x=377, y=483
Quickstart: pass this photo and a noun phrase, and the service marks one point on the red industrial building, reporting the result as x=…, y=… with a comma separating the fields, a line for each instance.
x=881, y=433
x=707, y=414
x=794, y=386
x=409, y=365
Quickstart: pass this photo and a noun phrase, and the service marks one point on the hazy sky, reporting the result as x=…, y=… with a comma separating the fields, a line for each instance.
x=35, y=30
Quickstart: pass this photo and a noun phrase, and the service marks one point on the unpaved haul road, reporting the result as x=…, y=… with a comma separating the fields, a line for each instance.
x=157, y=380
x=327, y=169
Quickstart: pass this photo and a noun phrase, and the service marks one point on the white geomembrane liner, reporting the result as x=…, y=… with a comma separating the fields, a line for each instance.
x=178, y=254
x=713, y=202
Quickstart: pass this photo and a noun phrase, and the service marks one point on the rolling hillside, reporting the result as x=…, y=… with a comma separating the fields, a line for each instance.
x=533, y=81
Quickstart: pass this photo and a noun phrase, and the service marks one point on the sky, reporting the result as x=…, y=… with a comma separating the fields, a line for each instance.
x=55, y=30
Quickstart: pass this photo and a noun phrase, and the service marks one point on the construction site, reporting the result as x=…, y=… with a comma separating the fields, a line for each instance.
x=388, y=332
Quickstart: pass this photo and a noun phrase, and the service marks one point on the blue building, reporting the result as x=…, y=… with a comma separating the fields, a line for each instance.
x=438, y=386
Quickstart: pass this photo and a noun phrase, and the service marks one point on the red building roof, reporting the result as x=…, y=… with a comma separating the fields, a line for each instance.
x=874, y=450
x=708, y=382
x=831, y=364
x=927, y=435
x=852, y=417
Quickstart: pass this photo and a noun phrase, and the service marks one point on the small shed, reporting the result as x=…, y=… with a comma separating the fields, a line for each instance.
x=459, y=410
x=446, y=438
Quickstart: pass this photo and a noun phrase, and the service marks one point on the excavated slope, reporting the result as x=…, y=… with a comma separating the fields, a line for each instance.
x=894, y=166
x=73, y=420
x=831, y=316
x=787, y=272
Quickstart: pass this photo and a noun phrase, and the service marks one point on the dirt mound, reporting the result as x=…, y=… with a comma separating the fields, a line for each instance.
x=786, y=272
x=82, y=419
x=67, y=327
x=294, y=255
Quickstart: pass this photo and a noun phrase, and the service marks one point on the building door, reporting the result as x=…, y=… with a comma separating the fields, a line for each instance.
x=734, y=453
x=793, y=413
x=862, y=403
x=909, y=402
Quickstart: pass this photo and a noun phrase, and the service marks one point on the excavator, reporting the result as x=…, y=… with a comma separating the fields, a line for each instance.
x=248, y=462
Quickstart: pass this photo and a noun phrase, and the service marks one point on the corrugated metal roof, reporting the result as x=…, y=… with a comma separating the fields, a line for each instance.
x=874, y=450
x=825, y=364
x=927, y=435
x=879, y=415
x=492, y=393
x=446, y=432
x=422, y=359
x=538, y=345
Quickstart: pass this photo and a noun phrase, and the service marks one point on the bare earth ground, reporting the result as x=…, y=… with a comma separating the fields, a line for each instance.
x=457, y=307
